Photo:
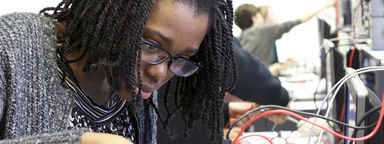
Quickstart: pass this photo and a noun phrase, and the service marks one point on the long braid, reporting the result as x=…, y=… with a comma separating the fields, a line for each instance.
x=204, y=91
x=204, y=59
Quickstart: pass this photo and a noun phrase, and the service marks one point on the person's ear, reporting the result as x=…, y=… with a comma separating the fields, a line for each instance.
x=254, y=19
x=257, y=19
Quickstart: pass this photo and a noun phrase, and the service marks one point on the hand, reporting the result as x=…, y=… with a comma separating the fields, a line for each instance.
x=278, y=118
x=275, y=68
x=103, y=138
x=234, y=132
x=331, y=3
x=288, y=62
x=236, y=110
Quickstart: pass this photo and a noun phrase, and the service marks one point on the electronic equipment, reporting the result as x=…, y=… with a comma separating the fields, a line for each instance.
x=355, y=102
x=375, y=82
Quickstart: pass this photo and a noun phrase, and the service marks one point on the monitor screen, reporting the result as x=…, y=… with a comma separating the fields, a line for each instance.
x=347, y=12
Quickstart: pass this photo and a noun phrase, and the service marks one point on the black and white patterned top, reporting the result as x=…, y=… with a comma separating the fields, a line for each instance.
x=113, y=118
x=121, y=125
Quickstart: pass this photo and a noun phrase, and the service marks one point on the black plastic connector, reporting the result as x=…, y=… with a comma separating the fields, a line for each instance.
x=227, y=141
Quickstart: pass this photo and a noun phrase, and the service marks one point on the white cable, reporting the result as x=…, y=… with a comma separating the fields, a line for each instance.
x=344, y=81
x=340, y=81
x=321, y=107
x=338, y=86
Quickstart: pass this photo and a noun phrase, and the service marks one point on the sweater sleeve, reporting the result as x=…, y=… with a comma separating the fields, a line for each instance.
x=62, y=137
x=276, y=31
x=7, y=41
x=255, y=83
x=3, y=44
x=2, y=81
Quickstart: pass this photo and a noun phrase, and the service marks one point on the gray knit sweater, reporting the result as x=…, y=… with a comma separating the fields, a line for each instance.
x=34, y=106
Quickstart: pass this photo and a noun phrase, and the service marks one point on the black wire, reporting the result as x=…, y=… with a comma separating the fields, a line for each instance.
x=263, y=108
x=332, y=120
x=362, y=119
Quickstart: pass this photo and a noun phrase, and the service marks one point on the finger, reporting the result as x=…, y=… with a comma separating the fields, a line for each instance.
x=234, y=132
x=279, y=119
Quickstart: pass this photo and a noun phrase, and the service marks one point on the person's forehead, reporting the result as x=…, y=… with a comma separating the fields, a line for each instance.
x=177, y=24
x=190, y=3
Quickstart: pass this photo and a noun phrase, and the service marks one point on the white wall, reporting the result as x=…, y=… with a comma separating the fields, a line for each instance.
x=9, y=6
x=301, y=43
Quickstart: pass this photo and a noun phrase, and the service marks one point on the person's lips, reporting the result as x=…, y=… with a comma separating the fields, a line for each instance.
x=145, y=92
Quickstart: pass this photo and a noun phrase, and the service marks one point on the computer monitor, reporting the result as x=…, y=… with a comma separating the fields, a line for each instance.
x=355, y=102
x=375, y=82
x=358, y=100
x=335, y=71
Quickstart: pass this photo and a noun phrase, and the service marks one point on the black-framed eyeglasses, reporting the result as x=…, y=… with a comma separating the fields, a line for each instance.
x=154, y=54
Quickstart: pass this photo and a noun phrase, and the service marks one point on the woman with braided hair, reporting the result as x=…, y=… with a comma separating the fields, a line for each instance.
x=88, y=71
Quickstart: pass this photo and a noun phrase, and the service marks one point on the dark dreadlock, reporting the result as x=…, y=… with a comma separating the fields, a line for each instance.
x=111, y=32
x=200, y=96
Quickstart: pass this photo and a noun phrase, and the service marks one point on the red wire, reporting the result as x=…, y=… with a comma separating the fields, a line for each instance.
x=341, y=119
x=337, y=12
x=305, y=119
x=352, y=53
x=354, y=34
x=342, y=112
x=227, y=125
x=266, y=138
x=351, y=57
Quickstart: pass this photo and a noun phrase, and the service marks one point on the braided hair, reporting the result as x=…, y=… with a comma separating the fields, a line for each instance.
x=110, y=32
x=200, y=96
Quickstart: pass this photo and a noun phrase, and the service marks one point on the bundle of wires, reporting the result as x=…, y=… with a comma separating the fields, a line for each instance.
x=282, y=110
x=335, y=90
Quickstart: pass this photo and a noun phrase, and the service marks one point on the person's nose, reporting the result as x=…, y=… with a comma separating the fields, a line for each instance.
x=158, y=71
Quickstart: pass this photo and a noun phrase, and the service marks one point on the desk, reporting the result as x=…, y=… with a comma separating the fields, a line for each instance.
x=301, y=88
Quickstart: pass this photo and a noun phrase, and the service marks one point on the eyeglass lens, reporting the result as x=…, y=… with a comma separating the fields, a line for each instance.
x=179, y=66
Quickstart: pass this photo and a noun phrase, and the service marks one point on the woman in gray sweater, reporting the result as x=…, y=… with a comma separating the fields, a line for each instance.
x=93, y=67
